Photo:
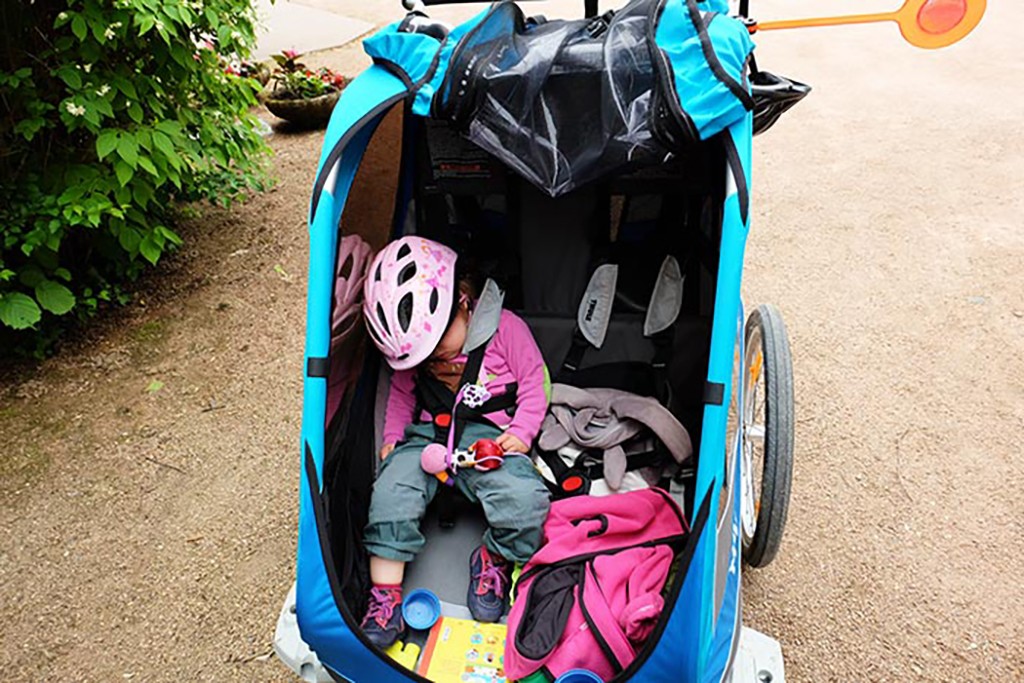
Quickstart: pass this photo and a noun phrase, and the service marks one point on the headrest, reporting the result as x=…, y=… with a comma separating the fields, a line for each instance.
x=598, y=300
x=486, y=316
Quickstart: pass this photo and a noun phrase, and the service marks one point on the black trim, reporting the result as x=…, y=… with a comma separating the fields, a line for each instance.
x=732, y=157
x=320, y=517
x=609, y=654
x=339, y=148
x=666, y=94
x=712, y=57
x=318, y=367
x=395, y=70
x=666, y=540
x=433, y=66
x=575, y=559
x=439, y=95
x=714, y=393
x=685, y=558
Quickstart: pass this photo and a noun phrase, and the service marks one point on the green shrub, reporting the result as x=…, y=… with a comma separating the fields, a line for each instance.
x=111, y=113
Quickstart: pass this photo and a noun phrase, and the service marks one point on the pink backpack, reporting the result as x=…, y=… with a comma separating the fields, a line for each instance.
x=591, y=595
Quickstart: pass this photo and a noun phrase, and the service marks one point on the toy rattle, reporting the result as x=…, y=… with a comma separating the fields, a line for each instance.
x=484, y=455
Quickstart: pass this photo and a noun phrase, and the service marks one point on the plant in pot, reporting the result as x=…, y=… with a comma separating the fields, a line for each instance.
x=300, y=96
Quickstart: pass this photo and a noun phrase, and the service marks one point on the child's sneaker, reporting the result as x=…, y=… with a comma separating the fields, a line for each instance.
x=383, y=621
x=489, y=584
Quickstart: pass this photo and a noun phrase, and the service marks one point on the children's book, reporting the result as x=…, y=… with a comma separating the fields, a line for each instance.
x=464, y=651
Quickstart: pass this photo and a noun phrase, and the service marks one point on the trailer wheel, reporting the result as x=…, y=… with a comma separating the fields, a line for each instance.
x=766, y=434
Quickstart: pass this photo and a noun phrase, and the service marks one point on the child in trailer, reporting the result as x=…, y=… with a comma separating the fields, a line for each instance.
x=483, y=381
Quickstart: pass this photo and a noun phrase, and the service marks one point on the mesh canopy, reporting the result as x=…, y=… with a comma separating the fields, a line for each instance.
x=561, y=102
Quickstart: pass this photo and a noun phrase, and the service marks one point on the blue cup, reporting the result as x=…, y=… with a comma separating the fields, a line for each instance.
x=421, y=609
x=579, y=676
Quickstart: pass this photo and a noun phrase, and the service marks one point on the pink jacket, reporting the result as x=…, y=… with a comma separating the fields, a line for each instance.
x=592, y=593
x=512, y=356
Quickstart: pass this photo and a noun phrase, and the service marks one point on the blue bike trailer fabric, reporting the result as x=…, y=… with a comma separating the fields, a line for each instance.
x=693, y=642
x=706, y=53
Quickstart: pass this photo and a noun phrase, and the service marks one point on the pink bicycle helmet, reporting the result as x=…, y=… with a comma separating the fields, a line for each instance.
x=408, y=299
x=354, y=256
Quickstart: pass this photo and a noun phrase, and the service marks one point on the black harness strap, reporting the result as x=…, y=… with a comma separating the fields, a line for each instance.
x=574, y=358
x=434, y=397
x=589, y=472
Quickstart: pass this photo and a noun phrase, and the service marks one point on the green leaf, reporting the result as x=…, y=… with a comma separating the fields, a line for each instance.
x=78, y=27
x=123, y=195
x=18, y=310
x=145, y=22
x=154, y=386
x=63, y=273
x=54, y=297
x=103, y=107
x=143, y=193
x=6, y=273
x=171, y=128
x=135, y=112
x=28, y=128
x=129, y=239
x=150, y=250
x=128, y=150
x=127, y=87
x=71, y=77
x=169, y=235
x=106, y=143
x=31, y=275
x=164, y=144
x=124, y=172
x=148, y=166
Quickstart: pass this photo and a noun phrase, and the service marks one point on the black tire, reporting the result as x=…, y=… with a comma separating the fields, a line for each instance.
x=777, y=469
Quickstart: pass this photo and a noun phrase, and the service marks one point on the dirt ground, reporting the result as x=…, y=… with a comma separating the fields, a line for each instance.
x=148, y=474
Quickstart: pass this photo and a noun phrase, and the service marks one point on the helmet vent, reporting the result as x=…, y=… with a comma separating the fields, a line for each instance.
x=434, y=300
x=405, y=312
x=376, y=275
x=403, y=251
x=383, y=319
x=407, y=273
x=373, y=333
x=346, y=267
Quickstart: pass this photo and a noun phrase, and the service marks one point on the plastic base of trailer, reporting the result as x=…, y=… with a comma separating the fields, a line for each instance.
x=292, y=649
x=758, y=657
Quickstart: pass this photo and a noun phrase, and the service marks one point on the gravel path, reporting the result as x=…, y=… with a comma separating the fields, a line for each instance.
x=148, y=474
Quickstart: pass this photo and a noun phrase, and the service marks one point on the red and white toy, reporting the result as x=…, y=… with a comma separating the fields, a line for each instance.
x=484, y=455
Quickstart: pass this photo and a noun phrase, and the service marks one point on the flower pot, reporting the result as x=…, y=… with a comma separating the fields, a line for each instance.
x=313, y=112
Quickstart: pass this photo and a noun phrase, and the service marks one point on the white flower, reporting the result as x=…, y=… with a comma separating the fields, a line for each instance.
x=104, y=90
x=159, y=25
x=87, y=68
x=236, y=35
x=74, y=109
x=109, y=34
x=63, y=16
